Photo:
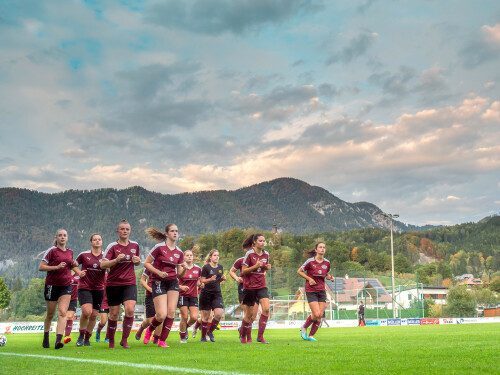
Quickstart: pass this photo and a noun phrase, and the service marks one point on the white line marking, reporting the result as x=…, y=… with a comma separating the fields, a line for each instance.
x=129, y=364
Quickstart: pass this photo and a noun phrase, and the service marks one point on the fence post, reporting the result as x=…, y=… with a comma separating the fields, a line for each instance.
x=234, y=297
x=335, y=285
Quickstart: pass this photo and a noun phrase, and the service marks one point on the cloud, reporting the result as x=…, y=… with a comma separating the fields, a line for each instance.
x=357, y=47
x=226, y=16
x=396, y=84
x=483, y=46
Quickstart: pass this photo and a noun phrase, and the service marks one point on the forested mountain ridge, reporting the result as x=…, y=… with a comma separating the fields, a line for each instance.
x=29, y=218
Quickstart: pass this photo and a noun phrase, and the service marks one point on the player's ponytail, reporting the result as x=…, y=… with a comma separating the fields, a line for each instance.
x=312, y=253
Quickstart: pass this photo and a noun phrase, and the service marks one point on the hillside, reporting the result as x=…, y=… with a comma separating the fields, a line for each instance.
x=29, y=218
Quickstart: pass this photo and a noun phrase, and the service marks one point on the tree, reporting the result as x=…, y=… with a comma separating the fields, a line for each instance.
x=444, y=270
x=495, y=284
x=186, y=243
x=351, y=266
x=484, y=297
x=460, y=302
x=4, y=295
x=401, y=264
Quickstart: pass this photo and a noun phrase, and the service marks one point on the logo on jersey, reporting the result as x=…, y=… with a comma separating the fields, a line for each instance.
x=195, y=272
x=320, y=272
x=211, y=272
x=95, y=265
x=220, y=271
x=177, y=255
x=171, y=259
x=88, y=258
x=127, y=257
x=324, y=267
x=132, y=251
x=100, y=260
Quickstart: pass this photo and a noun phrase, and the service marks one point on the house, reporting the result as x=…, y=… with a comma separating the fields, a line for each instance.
x=406, y=295
x=348, y=292
x=471, y=283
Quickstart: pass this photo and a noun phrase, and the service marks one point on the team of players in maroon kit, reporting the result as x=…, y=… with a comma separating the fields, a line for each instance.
x=171, y=280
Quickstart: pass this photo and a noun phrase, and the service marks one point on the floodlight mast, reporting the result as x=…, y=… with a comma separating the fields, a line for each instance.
x=392, y=216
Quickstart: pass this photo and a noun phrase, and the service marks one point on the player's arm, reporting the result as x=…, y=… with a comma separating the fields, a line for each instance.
x=245, y=270
x=232, y=273
x=144, y=283
x=149, y=266
x=301, y=273
x=44, y=266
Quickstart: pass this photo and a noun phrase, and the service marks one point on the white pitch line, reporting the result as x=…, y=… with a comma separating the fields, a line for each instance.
x=129, y=364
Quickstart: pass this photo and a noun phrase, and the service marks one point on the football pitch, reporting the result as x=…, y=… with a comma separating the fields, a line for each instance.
x=439, y=349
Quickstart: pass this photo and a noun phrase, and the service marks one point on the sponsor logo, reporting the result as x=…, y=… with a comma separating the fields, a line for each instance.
x=324, y=267
x=27, y=327
x=429, y=321
x=133, y=251
x=413, y=322
x=195, y=272
x=393, y=322
x=177, y=255
x=447, y=321
x=372, y=323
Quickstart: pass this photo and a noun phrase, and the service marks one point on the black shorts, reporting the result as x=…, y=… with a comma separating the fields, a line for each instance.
x=72, y=305
x=162, y=287
x=187, y=301
x=240, y=295
x=53, y=292
x=103, y=311
x=91, y=296
x=211, y=301
x=361, y=316
x=316, y=296
x=119, y=294
x=250, y=296
x=150, y=306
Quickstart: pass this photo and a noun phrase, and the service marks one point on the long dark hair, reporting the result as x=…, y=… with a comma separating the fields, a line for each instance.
x=158, y=235
x=250, y=240
x=312, y=253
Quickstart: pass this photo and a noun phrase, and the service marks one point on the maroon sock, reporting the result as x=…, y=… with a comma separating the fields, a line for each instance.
x=154, y=323
x=262, y=326
x=128, y=322
x=188, y=325
x=183, y=334
x=213, y=326
x=167, y=325
x=69, y=327
x=156, y=337
x=82, y=332
x=110, y=333
x=197, y=325
x=88, y=335
x=243, y=329
x=204, y=329
x=100, y=327
x=314, y=328
x=249, y=330
x=308, y=322
x=139, y=331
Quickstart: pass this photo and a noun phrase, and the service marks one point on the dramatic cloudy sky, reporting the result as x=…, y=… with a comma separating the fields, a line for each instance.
x=392, y=102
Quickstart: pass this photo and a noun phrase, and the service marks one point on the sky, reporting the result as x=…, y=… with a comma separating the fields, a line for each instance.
x=396, y=103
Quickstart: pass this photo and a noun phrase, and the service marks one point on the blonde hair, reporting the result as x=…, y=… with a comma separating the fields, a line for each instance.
x=57, y=232
x=194, y=250
x=123, y=221
x=209, y=255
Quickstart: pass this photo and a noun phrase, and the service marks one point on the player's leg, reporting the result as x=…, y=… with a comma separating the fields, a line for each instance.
x=62, y=309
x=51, y=312
x=264, y=316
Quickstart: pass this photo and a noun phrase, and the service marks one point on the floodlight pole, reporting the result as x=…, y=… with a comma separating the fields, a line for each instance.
x=392, y=216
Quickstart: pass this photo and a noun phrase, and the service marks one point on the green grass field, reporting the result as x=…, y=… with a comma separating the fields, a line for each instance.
x=440, y=349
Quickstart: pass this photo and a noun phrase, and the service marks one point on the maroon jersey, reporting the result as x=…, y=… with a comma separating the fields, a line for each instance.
x=238, y=264
x=54, y=256
x=94, y=276
x=316, y=271
x=149, y=282
x=166, y=260
x=122, y=273
x=256, y=279
x=190, y=279
x=74, y=286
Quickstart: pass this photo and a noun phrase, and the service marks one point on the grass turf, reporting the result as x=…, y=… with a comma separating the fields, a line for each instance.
x=467, y=348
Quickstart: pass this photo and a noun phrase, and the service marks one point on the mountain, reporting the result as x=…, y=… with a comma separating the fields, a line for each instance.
x=30, y=219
